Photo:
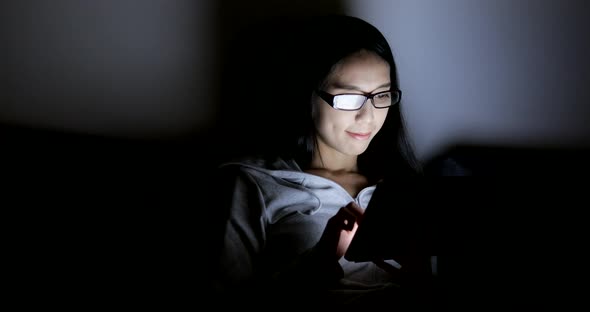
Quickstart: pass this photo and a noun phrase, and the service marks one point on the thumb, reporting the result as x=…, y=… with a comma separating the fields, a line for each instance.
x=354, y=209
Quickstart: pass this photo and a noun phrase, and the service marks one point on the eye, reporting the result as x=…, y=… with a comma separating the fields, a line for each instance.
x=383, y=96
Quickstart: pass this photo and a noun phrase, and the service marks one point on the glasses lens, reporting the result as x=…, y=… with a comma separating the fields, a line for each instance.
x=349, y=101
x=384, y=99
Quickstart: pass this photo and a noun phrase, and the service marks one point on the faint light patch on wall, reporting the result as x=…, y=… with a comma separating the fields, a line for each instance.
x=478, y=71
x=109, y=67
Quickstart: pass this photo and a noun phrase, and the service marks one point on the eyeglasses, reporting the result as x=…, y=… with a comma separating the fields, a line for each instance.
x=352, y=102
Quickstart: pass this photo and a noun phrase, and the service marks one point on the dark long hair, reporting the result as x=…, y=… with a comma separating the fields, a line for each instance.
x=329, y=39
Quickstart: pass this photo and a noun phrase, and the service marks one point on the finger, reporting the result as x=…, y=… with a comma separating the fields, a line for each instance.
x=355, y=210
x=343, y=220
x=348, y=216
x=348, y=219
x=353, y=214
x=392, y=270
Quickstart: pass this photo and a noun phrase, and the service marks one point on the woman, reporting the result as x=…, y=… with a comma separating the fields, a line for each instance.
x=291, y=218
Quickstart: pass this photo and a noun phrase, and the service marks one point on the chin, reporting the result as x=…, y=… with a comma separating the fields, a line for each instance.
x=358, y=150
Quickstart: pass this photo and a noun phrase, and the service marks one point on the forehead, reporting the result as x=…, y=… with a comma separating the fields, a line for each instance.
x=358, y=68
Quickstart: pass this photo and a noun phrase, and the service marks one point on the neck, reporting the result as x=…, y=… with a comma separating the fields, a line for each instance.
x=334, y=162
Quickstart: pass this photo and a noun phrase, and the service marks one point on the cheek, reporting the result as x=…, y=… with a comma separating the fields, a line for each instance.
x=325, y=118
x=380, y=119
x=335, y=121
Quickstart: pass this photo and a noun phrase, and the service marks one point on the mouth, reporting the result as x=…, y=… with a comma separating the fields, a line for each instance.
x=359, y=136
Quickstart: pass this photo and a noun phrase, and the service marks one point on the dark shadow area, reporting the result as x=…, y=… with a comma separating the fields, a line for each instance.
x=522, y=226
x=111, y=220
x=262, y=86
x=134, y=220
x=495, y=160
x=263, y=69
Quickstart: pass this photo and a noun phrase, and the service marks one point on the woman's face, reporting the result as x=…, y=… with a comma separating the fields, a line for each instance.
x=350, y=132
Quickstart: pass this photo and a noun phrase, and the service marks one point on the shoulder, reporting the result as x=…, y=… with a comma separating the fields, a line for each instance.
x=277, y=186
x=260, y=171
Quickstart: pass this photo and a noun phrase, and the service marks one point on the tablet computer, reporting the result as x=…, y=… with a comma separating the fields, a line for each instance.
x=396, y=222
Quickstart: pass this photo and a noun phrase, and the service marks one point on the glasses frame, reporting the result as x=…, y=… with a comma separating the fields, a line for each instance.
x=329, y=98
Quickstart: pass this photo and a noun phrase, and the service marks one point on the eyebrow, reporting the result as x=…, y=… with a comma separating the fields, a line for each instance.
x=355, y=88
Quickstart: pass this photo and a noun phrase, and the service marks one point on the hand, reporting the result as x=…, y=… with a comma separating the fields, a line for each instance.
x=339, y=231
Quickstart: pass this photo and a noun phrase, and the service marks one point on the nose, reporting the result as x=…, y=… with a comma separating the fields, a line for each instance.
x=366, y=113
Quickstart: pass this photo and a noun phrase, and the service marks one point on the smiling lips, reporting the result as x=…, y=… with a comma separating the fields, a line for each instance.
x=359, y=136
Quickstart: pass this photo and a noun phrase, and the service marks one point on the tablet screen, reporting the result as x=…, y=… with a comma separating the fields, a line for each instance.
x=395, y=222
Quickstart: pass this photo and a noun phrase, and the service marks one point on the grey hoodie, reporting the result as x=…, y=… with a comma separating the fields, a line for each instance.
x=277, y=215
